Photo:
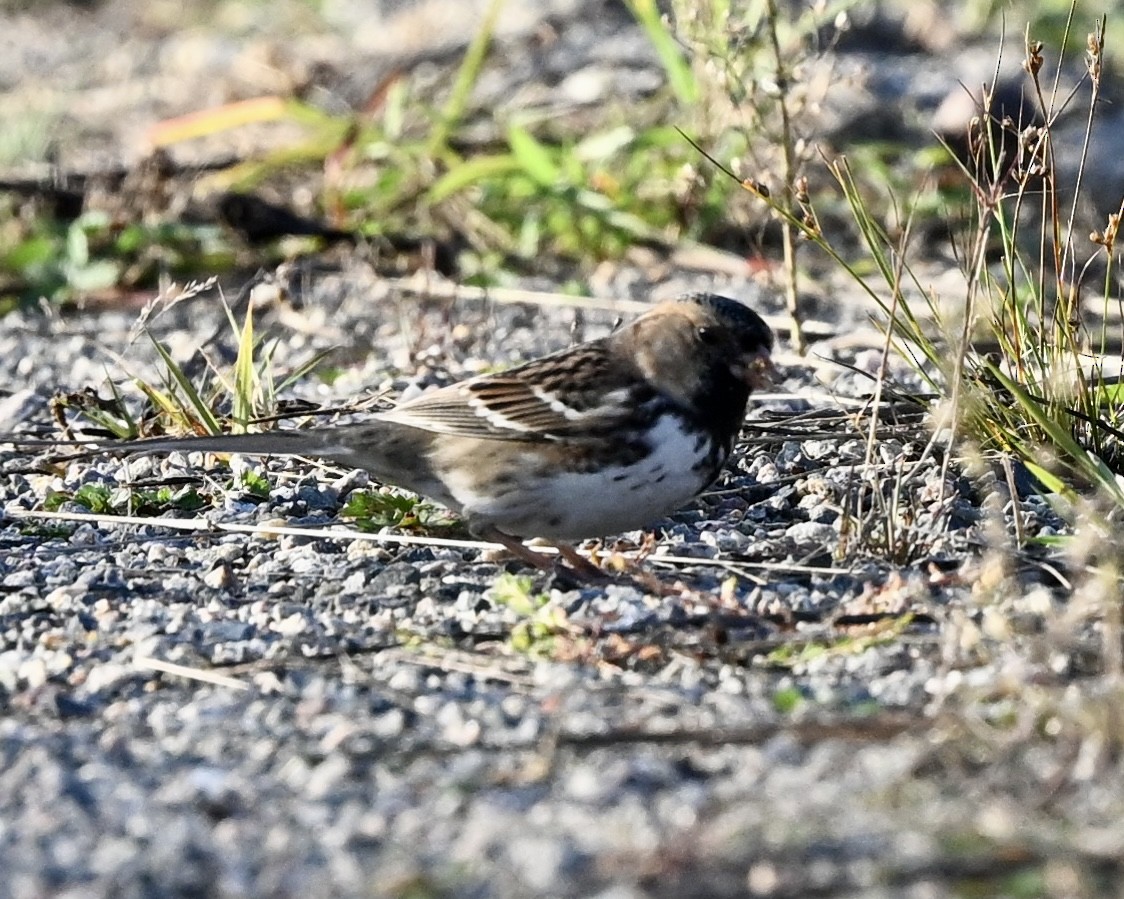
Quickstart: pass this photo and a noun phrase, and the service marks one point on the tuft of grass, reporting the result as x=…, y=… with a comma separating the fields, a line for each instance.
x=1020, y=366
x=753, y=103
x=180, y=403
x=1016, y=366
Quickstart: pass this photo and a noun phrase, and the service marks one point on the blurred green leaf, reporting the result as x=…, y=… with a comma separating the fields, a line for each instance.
x=535, y=158
x=787, y=699
x=604, y=144
x=77, y=246
x=97, y=275
x=473, y=171
x=32, y=253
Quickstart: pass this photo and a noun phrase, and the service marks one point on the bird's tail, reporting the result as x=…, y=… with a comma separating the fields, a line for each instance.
x=342, y=444
x=390, y=452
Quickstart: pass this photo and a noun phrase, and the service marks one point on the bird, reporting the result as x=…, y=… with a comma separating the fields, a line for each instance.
x=602, y=437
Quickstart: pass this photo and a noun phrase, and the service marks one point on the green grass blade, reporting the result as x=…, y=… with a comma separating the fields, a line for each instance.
x=467, y=75
x=675, y=64
x=131, y=429
x=1089, y=465
x=245, y=376
x=473, y=171
x=1049, y=480
x=533, y=157
x=195, y=402
x=302, y=371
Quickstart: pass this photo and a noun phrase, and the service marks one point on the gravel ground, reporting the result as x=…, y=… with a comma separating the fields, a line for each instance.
x=856, y=685
x=387, y=720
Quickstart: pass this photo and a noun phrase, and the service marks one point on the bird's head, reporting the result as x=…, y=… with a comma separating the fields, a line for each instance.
x=702, y=350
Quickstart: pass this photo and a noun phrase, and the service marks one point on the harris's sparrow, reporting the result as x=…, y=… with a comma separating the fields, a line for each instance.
x=595, y=439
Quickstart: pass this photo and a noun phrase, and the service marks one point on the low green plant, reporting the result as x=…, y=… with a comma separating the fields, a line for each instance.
x=406, y=165
x=543, y=630
x=373, y=510
x=102, y=499
x=94, y=497
x=255, y=483
x=63, y=261
x=788, y=699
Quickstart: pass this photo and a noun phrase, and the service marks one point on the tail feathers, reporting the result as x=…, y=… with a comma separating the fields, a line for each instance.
x=338, y=444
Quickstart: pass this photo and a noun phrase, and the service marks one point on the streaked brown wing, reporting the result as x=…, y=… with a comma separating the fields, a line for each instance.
x=567, y=395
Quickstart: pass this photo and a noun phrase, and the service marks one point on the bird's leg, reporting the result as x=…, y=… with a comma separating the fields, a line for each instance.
x=580, y=566
x=513, y=546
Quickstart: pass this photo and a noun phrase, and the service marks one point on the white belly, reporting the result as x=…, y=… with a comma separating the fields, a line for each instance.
x=573, y=505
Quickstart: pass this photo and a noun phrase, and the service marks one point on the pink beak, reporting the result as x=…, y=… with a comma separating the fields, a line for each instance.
x=760, y=371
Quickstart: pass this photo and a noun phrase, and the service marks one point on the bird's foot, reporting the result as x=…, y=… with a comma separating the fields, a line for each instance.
x=580, y=566
x=576, y=567
x=581, y=570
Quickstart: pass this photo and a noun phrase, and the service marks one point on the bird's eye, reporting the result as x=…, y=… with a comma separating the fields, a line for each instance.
x=709, y=336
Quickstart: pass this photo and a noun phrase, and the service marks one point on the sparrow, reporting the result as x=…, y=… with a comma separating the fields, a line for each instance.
x=601, y=437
